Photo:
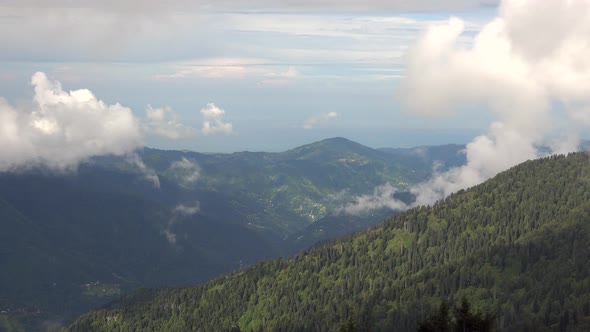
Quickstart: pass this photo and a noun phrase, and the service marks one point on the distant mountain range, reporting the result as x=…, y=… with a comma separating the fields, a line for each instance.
x=75, y=240
x=516, y=247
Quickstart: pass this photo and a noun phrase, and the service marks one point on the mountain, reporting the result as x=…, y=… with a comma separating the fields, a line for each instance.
x=72, y=241
x=285, y=192
x=516, y=247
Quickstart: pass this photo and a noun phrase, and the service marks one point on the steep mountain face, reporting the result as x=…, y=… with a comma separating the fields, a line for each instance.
x=516, y=246
x=73, y=241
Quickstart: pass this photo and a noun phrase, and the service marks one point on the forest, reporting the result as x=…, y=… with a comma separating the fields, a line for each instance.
x=515, y=247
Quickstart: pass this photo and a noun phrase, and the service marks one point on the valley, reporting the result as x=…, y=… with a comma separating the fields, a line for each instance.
x=516, y=247
x=75, y=240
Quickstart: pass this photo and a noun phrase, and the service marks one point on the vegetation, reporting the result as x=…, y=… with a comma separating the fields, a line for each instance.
x=74, y=241
x=463, y=320
x=516, y=247
x=284, y=193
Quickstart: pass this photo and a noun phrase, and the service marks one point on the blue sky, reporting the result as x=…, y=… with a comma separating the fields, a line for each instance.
x=277, y=72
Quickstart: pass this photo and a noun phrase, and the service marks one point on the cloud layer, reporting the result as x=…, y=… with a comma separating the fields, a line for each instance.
x=59, y=129
x=155, y=6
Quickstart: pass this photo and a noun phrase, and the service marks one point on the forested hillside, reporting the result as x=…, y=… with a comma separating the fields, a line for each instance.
x=516, y=247
x=75, y=240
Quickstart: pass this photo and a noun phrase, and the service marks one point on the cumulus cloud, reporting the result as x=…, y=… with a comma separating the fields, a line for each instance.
x=514, y=74
x=187, y=171
x=381, y=198
x=148, y=173
x=60, y=129
x=319, y=119
x=164, y=122
x=213, y=122
x=535, y=54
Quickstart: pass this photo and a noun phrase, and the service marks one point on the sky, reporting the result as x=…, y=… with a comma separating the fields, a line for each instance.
x=225, y=76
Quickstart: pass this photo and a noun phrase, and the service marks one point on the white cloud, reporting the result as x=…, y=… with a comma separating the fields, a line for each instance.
x=60, y=129
x=155, y=6
x=148, y=173
x=381, y=198
x=179, y=211
x=164, y=122
x=213, y=122
x=535, y=53
x=319, y=119
x=186, y=170
x=218, y=68
x=281, y=78
x=291, y=72
x=187, y=210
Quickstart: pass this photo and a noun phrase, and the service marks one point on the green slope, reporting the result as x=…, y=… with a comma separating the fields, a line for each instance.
x=283, y=193
x=73, y=241
x=70, y=243
x=516, y=246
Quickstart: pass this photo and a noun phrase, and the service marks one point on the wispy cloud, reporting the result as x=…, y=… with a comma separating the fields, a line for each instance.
x=186, y=210
x=187, y=171
x=148, y=173
x=319, y=119
x=381, y=198
x=218, y=68
x=179, y=212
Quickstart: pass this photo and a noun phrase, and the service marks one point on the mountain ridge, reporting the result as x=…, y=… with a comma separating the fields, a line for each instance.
x=79, y=239
x=529, y=226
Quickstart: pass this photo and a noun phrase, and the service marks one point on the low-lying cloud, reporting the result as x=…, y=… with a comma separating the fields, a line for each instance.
x=517, y=75
x=187, y=171
x=529, y=67
x=148, y=173
x=180, y=211
x=381, y=198
x=187, y=210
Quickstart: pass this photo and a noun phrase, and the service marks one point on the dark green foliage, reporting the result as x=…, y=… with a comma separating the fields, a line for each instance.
x=516, y=247
x=440, y=322
x=464, y=320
